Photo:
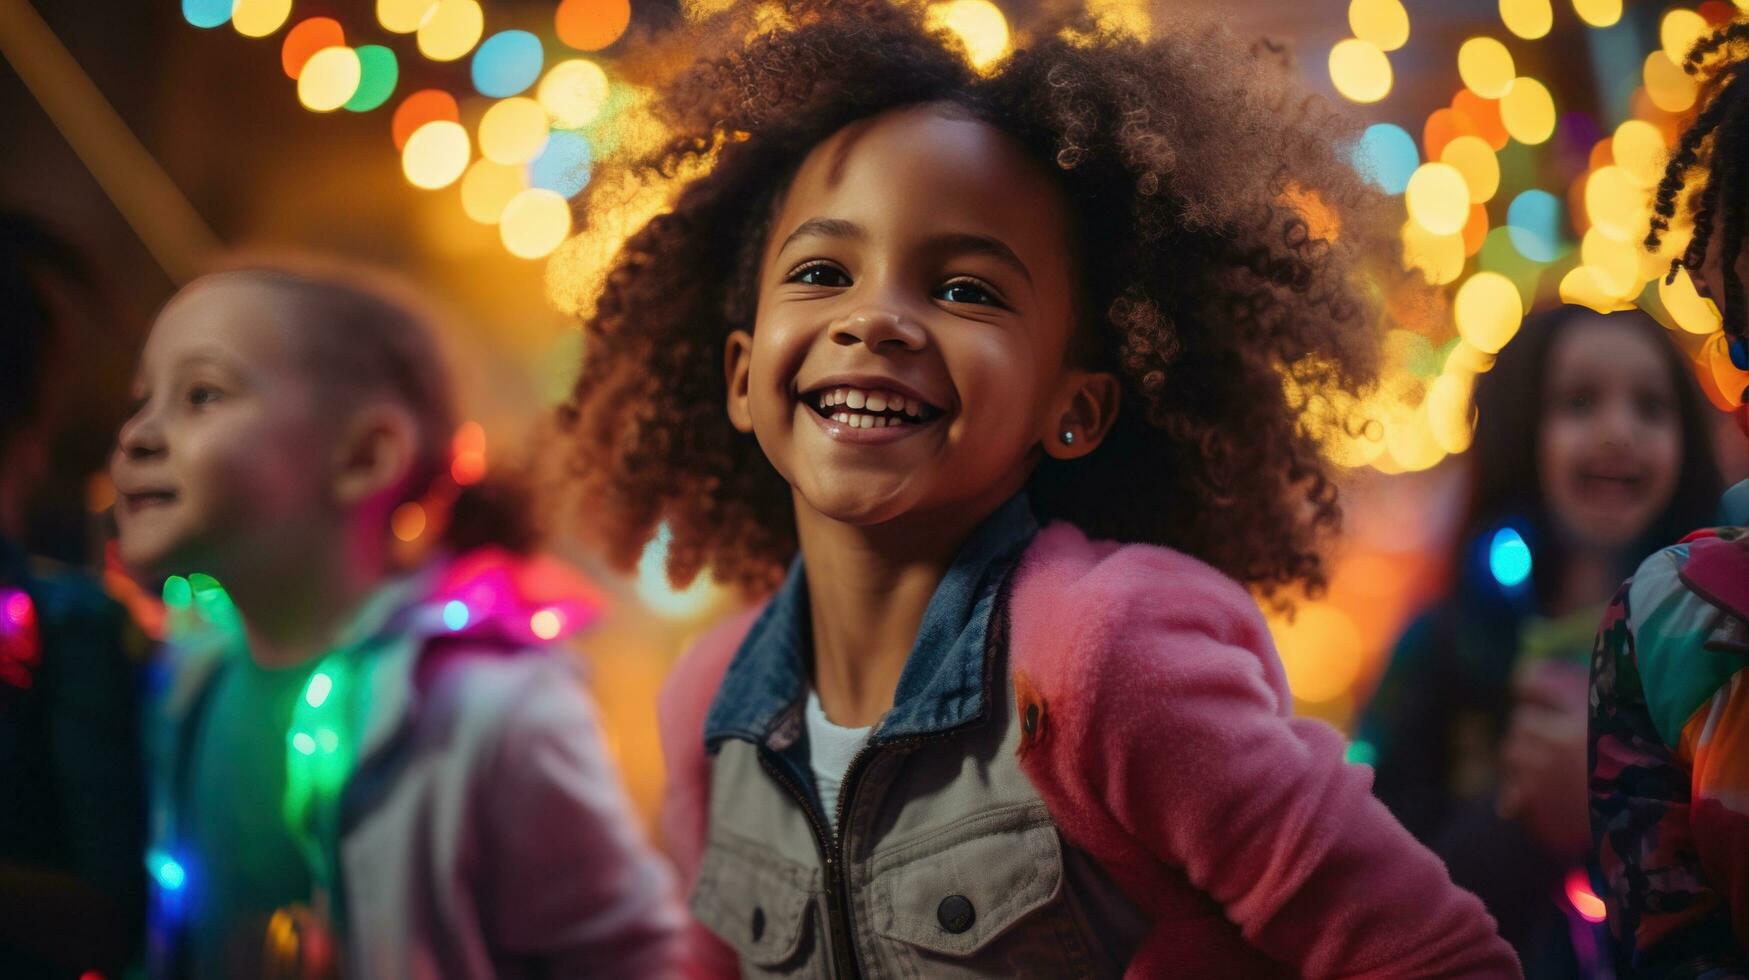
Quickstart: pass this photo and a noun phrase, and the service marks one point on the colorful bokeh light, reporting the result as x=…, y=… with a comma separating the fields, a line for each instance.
x=978, y=24
x=451, y=29
x=328, y=79
x=307, y=38
x=1486, y=67
x=488, y=186
x=379, y=73
x=534, y=223
x=563, y=165
x=403, y=16
x=1386, y=156
x=259, y=18
x=513, y=131
x=590, y=25
x=507, y=64
x=1509, y=558
x=1383, y=23
x=573, y=93
x=1360, y=70
x=206, y=13
x=423, y=106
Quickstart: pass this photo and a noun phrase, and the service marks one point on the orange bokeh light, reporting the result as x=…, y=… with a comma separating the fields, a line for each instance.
x=1485, y=114
x=426, y=105
x=1443, y=126
x=1475, y=229
x=304, y=40
x=590, y=25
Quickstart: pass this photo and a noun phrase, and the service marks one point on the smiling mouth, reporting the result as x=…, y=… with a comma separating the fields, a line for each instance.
x=1615, y=484
x=148, y=500
x=869, y=408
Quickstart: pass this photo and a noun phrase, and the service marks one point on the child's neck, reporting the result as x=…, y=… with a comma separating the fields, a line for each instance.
x=868, y=589
x=297, y=615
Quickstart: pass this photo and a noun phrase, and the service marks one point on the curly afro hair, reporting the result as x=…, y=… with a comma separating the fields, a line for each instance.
x=1232, y=299
x=1715, y=145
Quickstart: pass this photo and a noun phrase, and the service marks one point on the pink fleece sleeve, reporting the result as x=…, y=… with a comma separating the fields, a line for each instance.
x=680, y=711
x=1172, y=729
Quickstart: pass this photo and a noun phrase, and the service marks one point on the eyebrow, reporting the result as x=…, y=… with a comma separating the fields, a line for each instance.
x=953, y=243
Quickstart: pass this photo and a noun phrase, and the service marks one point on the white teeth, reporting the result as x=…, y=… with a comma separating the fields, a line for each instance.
x=839, y=395
x=877, y=401
x=841, y=418
x=856, y=398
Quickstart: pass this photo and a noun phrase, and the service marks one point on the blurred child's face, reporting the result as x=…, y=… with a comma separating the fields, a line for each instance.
x=914, y=312
x=1611, y=441
x=224, y=457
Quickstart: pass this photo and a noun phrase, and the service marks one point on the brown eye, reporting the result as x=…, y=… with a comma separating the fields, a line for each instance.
x=820, y=274
x=201, y=396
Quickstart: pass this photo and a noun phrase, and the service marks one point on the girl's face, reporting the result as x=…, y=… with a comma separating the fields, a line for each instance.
x=914, y=312
x=1610, y=447
x=224, y=457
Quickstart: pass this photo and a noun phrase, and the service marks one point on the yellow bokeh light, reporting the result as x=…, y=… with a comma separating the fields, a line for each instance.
x=403, y=16
x=1582, y=286
x=513, y=131
x=1638, y=148
x=1439, y=257
x=1451, y=416
x=534, y=223
x=978, y=24
x=1488, y=310
x=1527, y=110
x=488, y=186
x=1409, y=443
x=329, y=78
x=573, y=93
x=1474, y=158
x=259, y=18
x=451, y=29
x=1598, y=13
x=1667, y=85
x=1678, y=31
x=1320, y=650
x=1692, y=312
x=1438, y=198
x=1486, y=67
x=1382, y=23
x=1130, y=17
x=1617, y=205
x=1360, y=71
x=1529, y=19
x=1466, y=359
x=436, y=154
x=1615, y=263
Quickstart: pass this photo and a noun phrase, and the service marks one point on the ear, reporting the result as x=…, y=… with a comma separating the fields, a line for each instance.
x=375, y=452
x=737, y=363
x=1081, y=414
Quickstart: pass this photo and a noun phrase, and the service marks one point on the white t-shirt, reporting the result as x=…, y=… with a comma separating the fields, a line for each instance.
x=830, y=749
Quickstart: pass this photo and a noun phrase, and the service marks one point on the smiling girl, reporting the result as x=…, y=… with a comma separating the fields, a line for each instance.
x=1478, y=727
x=983, y=374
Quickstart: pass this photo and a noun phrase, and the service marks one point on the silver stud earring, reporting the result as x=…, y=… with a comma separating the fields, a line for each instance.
x=1068, y=438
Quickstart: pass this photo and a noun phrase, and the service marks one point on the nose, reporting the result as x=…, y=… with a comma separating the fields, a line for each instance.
x=1618, y=424
x=141, y=436
x=882, y=328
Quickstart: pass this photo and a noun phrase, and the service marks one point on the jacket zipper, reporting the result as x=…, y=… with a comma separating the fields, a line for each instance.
x=839, y=925
x=832, y=847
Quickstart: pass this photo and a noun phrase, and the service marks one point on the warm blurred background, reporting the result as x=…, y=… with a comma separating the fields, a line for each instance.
x=442, y=138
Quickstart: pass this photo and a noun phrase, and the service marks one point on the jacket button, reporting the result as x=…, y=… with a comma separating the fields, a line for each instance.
x=758, y=923
x=955, y=913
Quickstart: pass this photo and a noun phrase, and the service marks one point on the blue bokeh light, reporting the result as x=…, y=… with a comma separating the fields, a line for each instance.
x=1385, y=155
x=1533, y=220
x=507, y=63
x=563, y=166
x=207, y=13
x=455, y=614
x=1509, y=558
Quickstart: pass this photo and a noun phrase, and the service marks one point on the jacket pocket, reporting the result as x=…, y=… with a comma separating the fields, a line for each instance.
x=983, y=895
x=761, y=905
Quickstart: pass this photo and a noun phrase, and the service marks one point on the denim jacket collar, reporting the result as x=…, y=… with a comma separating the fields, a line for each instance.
x=942, y=684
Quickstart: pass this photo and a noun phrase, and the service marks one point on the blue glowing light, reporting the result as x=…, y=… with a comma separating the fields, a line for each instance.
x=1385, y=155
x=1509, y=558
x=563, y=166
x=1739, y=352
x=1361, y=752
x=166, y=871
x=1533, y=220
x=207, y=13
x=507, y=63
x=455, y=614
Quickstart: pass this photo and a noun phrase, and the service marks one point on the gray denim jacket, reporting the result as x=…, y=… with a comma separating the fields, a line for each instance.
x=947, y=863
x=483, y=832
